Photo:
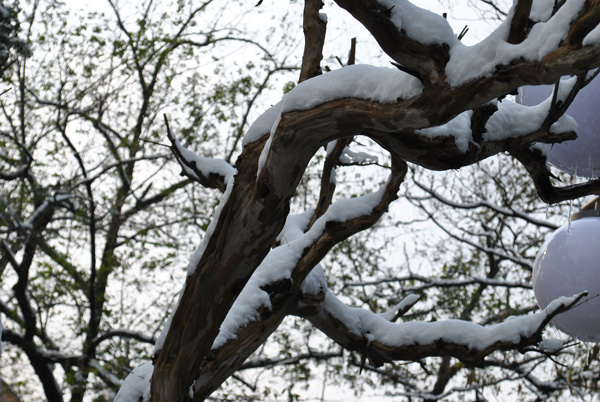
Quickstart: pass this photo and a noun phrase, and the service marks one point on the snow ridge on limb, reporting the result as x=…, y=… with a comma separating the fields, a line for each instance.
x=531, y=33
x=305, y=281
x=420, y=50
x=401, y=308
x=486, y=204
x=209, y=172
x=361, y=81
x=280, y=263
x=136, y=387
x=429, y=282
x=361, y=330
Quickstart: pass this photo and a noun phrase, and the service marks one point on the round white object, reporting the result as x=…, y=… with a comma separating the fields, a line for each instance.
x=569, y=263
x=580, y=157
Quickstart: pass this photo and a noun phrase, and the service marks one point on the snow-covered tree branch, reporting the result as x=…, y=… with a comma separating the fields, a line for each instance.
x=442, y=108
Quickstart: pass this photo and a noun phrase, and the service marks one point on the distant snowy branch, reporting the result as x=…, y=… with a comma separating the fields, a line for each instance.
x=106, y=376
x=360, y=330
x=18, y=173
x=265, y=362
x=119, y=164
x=500, y=253
x=503, y=315
x=401, y=308
x=525, y=369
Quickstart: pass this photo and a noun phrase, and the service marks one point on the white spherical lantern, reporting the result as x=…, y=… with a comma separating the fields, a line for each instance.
x=569, y=263
x=580, y=157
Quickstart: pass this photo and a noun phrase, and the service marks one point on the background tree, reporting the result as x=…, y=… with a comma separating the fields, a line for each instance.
x=88, y=189
x=11, y=45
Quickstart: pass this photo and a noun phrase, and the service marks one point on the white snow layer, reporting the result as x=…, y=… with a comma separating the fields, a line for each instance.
x=384, y=85
x=263, y=124
x=407, y=301
x=513, y=120
x=473, y=336
x=160, y=341
x=470, y=62
x=380, y=84
x=593, y=38
x=419, y=24
x=459, y=128
x=541, y=10
x=280, y=262
x=356, y=158
x=206, y=166
x=550, y=345
x=195, y=259
x=136, y=385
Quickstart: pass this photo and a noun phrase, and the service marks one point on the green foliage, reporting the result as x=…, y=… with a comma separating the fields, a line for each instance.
x=11, y=45
x=87, y=126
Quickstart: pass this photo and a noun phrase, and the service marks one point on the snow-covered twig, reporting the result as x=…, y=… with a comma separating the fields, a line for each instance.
x=106, y=376
x=210, y=172
x=266, y=362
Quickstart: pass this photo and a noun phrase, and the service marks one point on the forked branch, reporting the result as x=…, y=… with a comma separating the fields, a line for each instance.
x=211, y=173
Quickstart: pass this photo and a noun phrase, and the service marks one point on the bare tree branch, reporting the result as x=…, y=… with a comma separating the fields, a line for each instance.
x=315, y=26
x=519, y=23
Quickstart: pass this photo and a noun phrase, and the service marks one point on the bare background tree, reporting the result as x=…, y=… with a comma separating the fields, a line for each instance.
x=93, y=210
